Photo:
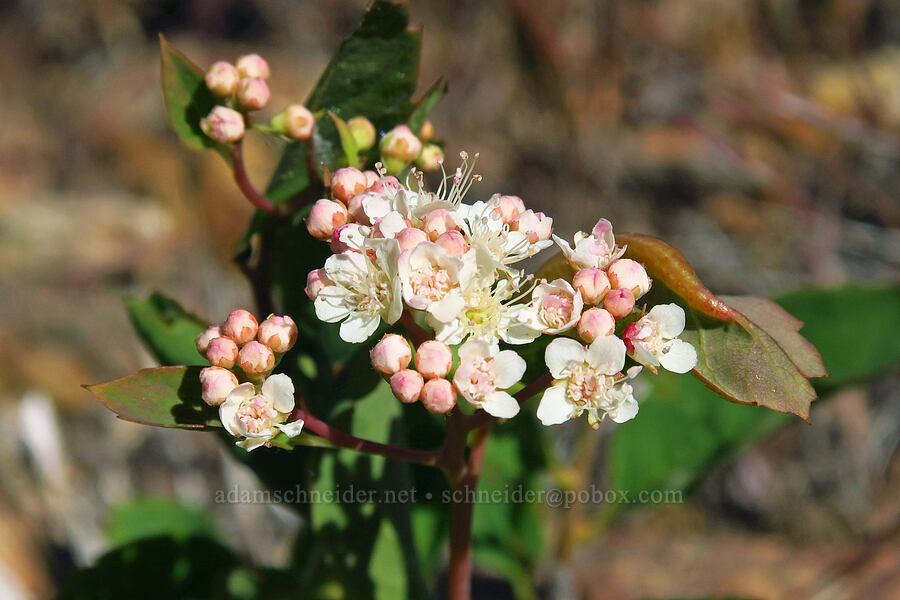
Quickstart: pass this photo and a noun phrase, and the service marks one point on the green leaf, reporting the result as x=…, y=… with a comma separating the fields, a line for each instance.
x=425, y=105
x=152, y=517
x=164, y=397
x=291, y=175
x=187, y=99
x=348, y=142
x=167, y=329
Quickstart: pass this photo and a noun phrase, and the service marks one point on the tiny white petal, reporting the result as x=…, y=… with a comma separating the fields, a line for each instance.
x=291, y=429
x=500, y=404
x=554, y=409
x=625, y=411
x=280, y=389
x=607, y=354
x=670, y=318
x=358, y=327
x=508, y=368
x=678, y=356
x=562, y=352
x=252, y=443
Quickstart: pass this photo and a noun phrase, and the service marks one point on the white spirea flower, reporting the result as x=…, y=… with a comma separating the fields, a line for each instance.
x=653, y=340
x=484, y=228
x=587, y=379
x=366, y=289
x=257, y=414
x=484, y=372
x=597, y=250
x=431, y=279
x=555, y=307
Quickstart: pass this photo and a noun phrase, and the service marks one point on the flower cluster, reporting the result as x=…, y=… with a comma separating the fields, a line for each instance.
x=400, y=249
x=253, y=403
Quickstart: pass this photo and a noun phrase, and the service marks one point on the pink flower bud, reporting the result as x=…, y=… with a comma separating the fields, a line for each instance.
x=431, y=157
x=427, y=132
x=629, y=274
x=346, y=183
x=208, y=335
x=316, y=281
x=391, y=354
x=537, y=226
x=508, y=207
x=222, y=352
x=371, y=179
x=438, y=396
x=252, y=65
x=253, y=93
x=407, y=385
x=437, y=222
x=278, y=333
x=400, y=143
x=619, y=303
x=223, y=125
x=592, y=283
x=216, y=383
x=411, y=237
x=297, y=122
x=222, y=79
x=240, y=326
x=256, y=358
x=433, y=359
x=363, y=132
x=594, y=323
x=453, y=242
x=388, y=182
x=347, y=237
x=324, y=217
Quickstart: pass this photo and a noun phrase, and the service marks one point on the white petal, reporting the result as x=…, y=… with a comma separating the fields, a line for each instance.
x=500, y=404
x=554, y=409
x=228, y=410
x=678, y=356
x=607, y=354
x=346, y=267
x=358, y=327
x=291, y=429
x=449, y=308
x=560, y=353
x=670, y=318
x=519, y=333
x=331, y=304
x=473, y=350
x=280, y=389
x=625, y=411
x=508, y=369
x=644, y=356
x=253, y=443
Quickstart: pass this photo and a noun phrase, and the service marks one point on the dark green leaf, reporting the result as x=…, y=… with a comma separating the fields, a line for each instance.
x=166, y=328
x=425, y=105
x=291, y=175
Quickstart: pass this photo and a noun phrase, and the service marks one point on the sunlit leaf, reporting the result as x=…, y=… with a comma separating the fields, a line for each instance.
x=166, y=328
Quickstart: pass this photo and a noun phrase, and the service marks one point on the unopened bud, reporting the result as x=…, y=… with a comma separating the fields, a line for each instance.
x=295, y=121
x=426, y=134
x=437, y=222
x=223, y=125
x=438, y=396
x=430, y=158
x=241, y=326
x=383, y=183
x=537, y=226
x=400, y=143
x=216, y=383
x=222, y=352
x=391, y=354
x=252, y=65
x=508, y=207
x=619, y=303
x=453, y=242
x=433, y=359
x=253, y=93
x=346, y=183
x=206, y=336
x=371, y=179
x=222, y=79
x=592, y=283
x=256, y=358
x=324, y=217
x=629, y=274
x=316, y=281
x=594, y=323
x=363, y=132
x=278, y=333
x=407, y=385
x=394, y=166
x=411, y=237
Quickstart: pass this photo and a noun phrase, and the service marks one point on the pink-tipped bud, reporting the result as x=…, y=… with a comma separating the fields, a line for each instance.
x=537, y=226
x=347, y=237
x=619, y=303
x=216, y=383
x=241, y=326
x=278, y=333
x=252, y=65
x=437, y=222
x=256, y=358
x=324, y=217
x=206, y=336
x=411, y=237
x=453, y=242
x=427, y=132
x=295, y=121
x=433, y=359
x=371, y=179
x=508, y=207
x=400, y=143
x=388, y=182
x=316, y=281
x=391, y=354
x=346, y=183
x=222, y=79
x=407, y=385
x=253, y=93
x=363, y=132
x=431, y=157
x=438, y=396
x=629, y=274
x=594, y=323
x=222, y=352
x=223, y=125
x=593, y=285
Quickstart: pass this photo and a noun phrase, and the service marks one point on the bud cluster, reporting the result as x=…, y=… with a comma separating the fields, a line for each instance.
x=426, y=381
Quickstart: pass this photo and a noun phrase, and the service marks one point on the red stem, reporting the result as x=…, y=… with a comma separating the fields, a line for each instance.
x=244, y=183
x=416, y=333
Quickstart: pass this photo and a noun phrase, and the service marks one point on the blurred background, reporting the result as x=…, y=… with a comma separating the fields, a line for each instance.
x=760, y=138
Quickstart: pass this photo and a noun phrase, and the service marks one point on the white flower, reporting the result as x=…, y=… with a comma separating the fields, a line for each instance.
x=484, y=373
x=431, y=279
x=484, y=228
x=653, y=341
x=597, y=250
x=555, y=307
x=258, y=415
x=587, y=379
x=365, y=291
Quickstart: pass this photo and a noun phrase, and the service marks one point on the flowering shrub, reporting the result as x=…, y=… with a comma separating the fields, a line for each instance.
x=394, y=289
